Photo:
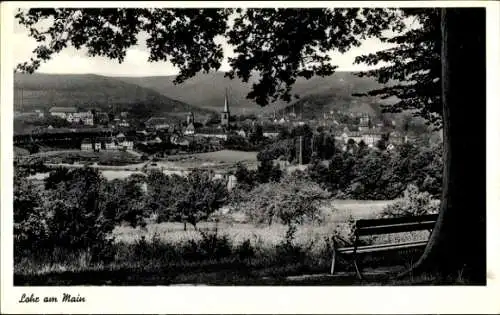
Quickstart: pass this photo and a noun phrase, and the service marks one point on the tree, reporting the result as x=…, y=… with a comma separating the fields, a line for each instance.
x=244, y=177
x=463, y=57
x=256, y=135
x=125, y=201
x=413, y=74
x=281, y=45
x=60, y=174
x=265, y=171
x=292, y=201
x=198, y=196
x=30, y=220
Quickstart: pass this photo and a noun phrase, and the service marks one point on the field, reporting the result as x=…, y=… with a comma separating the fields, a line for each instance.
x=211, y=159
x=78, y=156
x=336, y=212
x=229, y=252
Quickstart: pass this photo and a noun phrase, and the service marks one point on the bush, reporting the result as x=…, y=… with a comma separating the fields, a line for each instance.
x=377, y=175
x=294, y=200
x=245, y=250
x=31, y=226
x=413, y=203
x=77, y=212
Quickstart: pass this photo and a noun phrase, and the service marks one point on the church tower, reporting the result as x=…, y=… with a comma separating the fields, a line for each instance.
x=224, y=119
x=190, y=118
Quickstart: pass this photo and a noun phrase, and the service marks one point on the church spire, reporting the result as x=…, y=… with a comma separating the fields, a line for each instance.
x=226, y=105
x=225, y=114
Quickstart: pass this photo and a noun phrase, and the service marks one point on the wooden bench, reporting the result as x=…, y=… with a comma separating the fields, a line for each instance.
x=371, y=227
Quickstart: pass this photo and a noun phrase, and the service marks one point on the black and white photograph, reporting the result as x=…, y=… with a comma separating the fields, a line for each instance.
x=241, y=146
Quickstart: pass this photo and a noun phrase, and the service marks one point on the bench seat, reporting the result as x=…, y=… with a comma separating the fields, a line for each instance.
x=369, y=227
x=382, y=247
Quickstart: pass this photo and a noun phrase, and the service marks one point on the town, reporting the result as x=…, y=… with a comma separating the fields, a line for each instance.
x=277, y=164
x=156, y=137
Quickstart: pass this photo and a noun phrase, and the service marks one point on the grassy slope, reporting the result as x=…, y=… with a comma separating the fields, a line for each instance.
x=88, y=90
x=319, y=94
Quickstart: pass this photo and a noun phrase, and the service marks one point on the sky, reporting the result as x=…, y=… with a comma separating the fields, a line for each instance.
x=72, y=61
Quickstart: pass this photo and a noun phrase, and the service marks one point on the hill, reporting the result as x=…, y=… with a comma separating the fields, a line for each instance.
x=316, y=95
x=42, y=91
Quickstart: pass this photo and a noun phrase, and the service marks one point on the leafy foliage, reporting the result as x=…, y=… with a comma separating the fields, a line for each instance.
x=374, y=174
x=245, y=178
x=197, y=197
x=414, y=66
x=78, y=210
x=293, y=200
x=31, y=228
x=412, y=203
x=279, y=44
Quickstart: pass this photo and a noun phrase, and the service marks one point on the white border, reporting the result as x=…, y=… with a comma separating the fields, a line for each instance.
x=378, y=300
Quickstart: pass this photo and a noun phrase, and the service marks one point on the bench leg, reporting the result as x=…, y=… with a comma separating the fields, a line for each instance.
x=332, y=270
x=355, y=256
x=358, y=273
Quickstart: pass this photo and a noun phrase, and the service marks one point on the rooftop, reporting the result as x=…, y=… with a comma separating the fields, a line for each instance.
x=157, y=121
x=62, y=109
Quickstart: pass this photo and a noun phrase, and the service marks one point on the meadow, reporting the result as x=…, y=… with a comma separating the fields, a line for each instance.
x=207, y=159
x=78, y=156
x=230, y=251
x=335, y=212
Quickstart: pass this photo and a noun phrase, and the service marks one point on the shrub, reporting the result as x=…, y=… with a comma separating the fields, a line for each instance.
x=245, y=250
x=288, y=252
x=31, y=226
x=294, y=200
x=413, y=203
x=78, y=212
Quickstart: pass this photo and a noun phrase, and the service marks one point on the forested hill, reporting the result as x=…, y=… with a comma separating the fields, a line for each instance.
x=317, y=95
x=42, y=91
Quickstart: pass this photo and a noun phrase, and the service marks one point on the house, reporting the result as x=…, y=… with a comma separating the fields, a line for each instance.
x=123, y=143
x=123, y=123
x=179, y=140
x=72, y=115
x=62, y=112
x=190, y=129
x=329, y=116
x=110, y=144
x=156, y=140
x=126, y=144
x=242, y=133
x=101, y=118
x=86, y=145
x=208, y=132
x=371, y=137
x=270, y=131
x=39, y=113
x=81, y=117
x=157, y=123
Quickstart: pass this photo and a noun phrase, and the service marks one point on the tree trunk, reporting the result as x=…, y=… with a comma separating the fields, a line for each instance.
x=458, y=241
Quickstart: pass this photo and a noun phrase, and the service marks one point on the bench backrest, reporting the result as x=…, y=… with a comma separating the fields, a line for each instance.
x=395, y=225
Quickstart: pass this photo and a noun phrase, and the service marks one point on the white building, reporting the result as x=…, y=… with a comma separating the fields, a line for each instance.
x=62, y=112
x=72, y=115
x=85, y=117
x=86, y=145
